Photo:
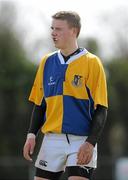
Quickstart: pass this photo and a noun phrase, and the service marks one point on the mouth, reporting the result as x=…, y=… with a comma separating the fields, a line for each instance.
x=55, y=40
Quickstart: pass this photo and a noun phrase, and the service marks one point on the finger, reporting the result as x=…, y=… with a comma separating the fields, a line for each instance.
x=27, y=157
x=31, y=149
x=26, y=152
x=80, y=158
x=79, y=153
x=84, y=160
x=87, y=159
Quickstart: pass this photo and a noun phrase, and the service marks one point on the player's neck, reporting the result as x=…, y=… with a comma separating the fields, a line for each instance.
x=69, y=50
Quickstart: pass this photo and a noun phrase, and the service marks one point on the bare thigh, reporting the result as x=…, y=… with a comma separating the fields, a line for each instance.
x=77, y=178
x=38, y=178
x=70, y=178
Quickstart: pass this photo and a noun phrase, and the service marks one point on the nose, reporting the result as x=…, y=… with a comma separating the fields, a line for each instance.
x=53, y=33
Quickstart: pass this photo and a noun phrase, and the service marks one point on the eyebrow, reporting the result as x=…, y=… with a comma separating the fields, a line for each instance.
x=55, y=27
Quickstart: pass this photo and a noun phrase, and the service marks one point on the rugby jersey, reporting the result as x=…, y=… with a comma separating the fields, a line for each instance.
x=71, y=91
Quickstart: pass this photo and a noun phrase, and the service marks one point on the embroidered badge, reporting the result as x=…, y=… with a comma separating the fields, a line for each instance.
x=77, y=81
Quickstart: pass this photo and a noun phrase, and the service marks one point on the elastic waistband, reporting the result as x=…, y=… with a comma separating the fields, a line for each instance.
x=62, y=136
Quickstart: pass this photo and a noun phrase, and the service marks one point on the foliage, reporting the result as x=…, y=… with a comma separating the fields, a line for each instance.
x=15, y=79
x=118, y=88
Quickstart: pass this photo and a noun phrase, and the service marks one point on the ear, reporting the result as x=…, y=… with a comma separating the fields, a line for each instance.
x=75, y=31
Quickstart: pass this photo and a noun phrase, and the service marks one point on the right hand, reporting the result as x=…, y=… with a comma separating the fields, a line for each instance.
x=85, y=153
x=29, y=148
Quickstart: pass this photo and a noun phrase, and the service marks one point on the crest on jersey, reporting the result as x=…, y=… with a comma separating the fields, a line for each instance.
x=77, y=81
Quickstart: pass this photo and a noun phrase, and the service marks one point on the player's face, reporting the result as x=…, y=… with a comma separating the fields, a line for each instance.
x=62, y=34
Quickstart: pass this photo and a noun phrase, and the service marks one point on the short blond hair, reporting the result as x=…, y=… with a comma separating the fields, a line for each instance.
x=72, y=18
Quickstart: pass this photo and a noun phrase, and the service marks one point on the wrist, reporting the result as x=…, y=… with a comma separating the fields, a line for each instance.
x=31, y=135
x=91, y=141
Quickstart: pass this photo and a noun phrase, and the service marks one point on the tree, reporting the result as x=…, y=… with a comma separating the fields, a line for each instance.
x=118, y=88
x=15, y=79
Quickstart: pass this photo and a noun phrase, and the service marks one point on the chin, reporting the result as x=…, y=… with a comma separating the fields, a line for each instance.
x=57, y=46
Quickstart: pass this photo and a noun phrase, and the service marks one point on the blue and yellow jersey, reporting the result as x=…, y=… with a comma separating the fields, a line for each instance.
x=71, y=91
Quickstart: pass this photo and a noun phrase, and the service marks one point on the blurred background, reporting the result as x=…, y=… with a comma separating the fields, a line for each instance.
x=24, y=39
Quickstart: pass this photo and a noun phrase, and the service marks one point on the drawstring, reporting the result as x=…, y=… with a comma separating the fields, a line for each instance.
x=67, y=138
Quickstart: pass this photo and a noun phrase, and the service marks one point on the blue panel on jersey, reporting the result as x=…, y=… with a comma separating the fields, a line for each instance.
x=54, y=75
x=76, y=119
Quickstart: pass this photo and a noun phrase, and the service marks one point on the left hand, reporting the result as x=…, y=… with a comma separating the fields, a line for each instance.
x=85, y=153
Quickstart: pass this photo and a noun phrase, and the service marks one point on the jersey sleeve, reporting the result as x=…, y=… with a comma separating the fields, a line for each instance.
x=97, y=82
x=37, y=92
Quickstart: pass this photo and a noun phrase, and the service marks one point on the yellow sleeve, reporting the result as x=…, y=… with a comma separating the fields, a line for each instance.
x=37, y=92
x=97, y=82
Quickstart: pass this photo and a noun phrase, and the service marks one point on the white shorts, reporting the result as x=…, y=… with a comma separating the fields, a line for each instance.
x=56, y=153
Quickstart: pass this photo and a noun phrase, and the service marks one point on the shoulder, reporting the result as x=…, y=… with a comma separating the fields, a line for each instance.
x=92, y=57
x=47, y=56
x=93, y=60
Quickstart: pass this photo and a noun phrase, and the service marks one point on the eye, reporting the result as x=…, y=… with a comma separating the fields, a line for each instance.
x=58, y=29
